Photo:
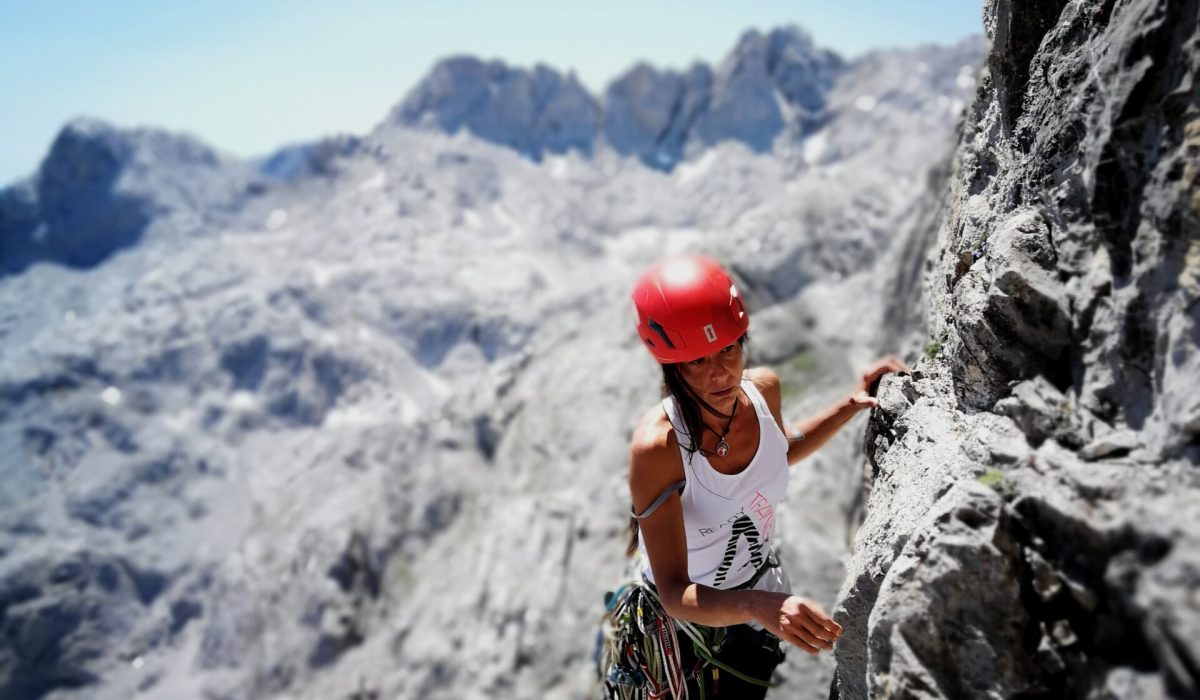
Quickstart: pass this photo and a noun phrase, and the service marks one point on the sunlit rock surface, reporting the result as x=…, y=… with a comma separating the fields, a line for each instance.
x=533, y=112
x=352, y=421
x=100, y=188
x=770, y=92
x=1031, y=529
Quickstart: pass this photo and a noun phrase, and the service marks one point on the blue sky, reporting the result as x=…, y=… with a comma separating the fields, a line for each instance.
x=247, y=77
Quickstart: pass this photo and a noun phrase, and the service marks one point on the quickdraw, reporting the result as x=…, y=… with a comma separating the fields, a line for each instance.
x=639, y=649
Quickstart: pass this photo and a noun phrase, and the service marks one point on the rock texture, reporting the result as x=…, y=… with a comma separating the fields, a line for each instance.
x=99, y=189
x=769, y=82
x=1031, y=528
x=307, y=159
x=652, y=114
x=532, y=112
x=770, y=85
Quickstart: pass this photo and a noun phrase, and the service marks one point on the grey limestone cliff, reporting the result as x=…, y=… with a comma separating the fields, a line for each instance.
x=651, y=113
x=769, y=82
x=100, y=188
x=1034, y=509
x=533, y=112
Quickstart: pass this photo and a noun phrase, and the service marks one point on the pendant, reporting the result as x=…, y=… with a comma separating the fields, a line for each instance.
x=722, y=447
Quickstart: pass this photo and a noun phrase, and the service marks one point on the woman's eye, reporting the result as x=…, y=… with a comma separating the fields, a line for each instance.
x=697, y=363
x=728, y=349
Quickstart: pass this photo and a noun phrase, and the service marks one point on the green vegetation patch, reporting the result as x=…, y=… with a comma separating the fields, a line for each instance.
x=991, y=478
x=802, y=362
x=795, y=373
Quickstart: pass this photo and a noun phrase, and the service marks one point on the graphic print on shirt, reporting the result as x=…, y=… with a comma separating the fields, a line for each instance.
x=742, y=527
x=766, y=514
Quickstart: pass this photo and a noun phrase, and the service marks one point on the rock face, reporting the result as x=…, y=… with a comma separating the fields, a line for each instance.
x=1034, y=486
x=317, y=158
x=100, y=188
x=532, y=112
x=652, y=114
x=768, y=84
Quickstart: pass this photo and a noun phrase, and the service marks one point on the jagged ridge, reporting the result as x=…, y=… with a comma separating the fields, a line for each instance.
x=99, y=188
x=768, y=84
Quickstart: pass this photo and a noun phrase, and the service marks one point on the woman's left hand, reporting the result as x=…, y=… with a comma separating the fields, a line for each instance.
x=861, y=398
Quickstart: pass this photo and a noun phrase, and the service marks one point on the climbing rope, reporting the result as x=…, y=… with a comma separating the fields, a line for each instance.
x=640, y=654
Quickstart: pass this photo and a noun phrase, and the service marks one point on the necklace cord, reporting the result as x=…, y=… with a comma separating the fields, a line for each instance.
x=722, y=447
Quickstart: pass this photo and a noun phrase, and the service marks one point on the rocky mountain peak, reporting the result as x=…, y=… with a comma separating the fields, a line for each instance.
x=89, y=155
x=802, y=72
x=70, y=211
x=651, y=113
x=314, y=158
x=99, y=187
x=770, y=82
x=532, y=111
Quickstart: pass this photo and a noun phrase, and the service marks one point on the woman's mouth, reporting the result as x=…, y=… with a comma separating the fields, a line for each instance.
x=725, y=392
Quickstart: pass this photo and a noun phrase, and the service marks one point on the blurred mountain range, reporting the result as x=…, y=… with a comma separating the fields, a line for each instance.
x=351, y=420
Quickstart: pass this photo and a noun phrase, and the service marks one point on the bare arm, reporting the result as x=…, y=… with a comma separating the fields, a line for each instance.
x=817, y=430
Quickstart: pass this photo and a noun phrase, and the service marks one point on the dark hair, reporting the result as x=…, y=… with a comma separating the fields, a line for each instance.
x=690, y=407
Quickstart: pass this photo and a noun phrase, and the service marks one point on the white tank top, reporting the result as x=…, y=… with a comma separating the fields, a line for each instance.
x=730, y=518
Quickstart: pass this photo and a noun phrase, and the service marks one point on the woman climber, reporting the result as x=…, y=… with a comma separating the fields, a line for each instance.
x=708, y=469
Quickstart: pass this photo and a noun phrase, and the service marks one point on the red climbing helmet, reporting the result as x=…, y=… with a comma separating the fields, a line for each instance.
x=688, y=308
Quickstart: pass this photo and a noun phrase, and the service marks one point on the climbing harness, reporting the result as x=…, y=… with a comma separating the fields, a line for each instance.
x=639, y=655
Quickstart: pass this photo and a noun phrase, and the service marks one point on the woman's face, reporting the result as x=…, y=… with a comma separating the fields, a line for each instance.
x=715, y=378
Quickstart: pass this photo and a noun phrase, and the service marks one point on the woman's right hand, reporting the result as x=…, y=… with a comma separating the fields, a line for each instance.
x=798, y=621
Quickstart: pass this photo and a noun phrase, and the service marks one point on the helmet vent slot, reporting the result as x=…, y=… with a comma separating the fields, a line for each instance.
x=662, y=333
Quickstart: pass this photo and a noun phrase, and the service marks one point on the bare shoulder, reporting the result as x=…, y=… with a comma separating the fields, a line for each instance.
x=654, y=461
x=767, y=383
x=765, y=380
x=653, y=438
